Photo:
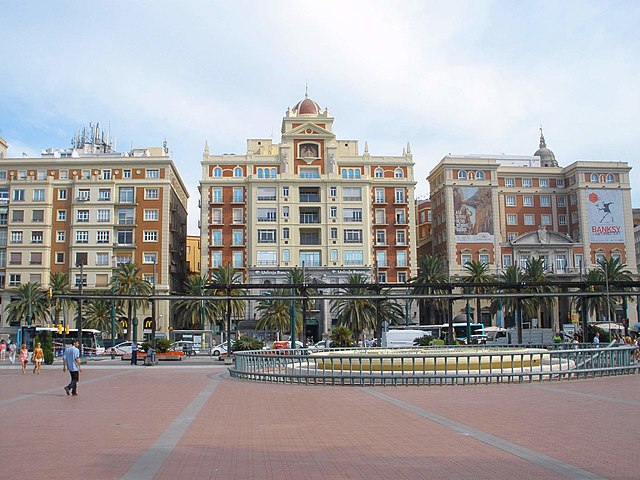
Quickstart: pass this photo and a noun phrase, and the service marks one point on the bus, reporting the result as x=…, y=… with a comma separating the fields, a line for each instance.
x=92, y=342
x=478, y=335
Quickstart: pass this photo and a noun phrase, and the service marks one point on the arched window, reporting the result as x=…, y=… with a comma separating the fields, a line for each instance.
x=480, y=175
x=237, y=172
x=462, y=175
x=260, y=173
x=274, y=173
x=344, y=173
x=217, y=172
x=358, y=173
x=398, y=173
x=594, y=178
x=610, y=178
x=351, y=173
x=379, y=173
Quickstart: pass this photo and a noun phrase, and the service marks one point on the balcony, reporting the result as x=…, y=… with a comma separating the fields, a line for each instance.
x=307, y=218
x=309, y=197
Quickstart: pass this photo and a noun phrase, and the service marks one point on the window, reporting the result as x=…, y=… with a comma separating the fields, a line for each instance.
x=573, y=199
x=125, y=216
x=126, y=174
x=400, y=217
x=512, y=236
x=38, y=195
x=479, y=175
x=462, y=175
x=352, y=194
x=310, y=259
x=333, y=212
x=401, y=237
x=103, y=236
x=285, y=212
x=36, y=237
x=381, y=237
x=238, y=194
x=484, y=258
x=61, y=236
x=378, y=173
x=285, y=191
x=18, y=195
x=149, y=257
x=545, y=219
x=352, y=214
x=216, y=216
x=306, y=172
x=151, y=193
x=511, y=200
x=238, y=238
x=334, y=233
x=237, y=172
x=577, y=261
x=267, y=257
x=104, y=195
x=151, y=215
x=402, y=277
x=82, y=216
x=285, y=233
x=562, y=219
x=150, y=236
x=3, y=173
x=15, y=258
x=381, y=258
x=529, y=219
x=216, y=259
x=351, y=173
x=59, y=257
x=216, y=238
x=238, y=215
x=237, y=259
x=382, y=277
x=399, y=196
x=610, y=178
x=16, y=237
x=398, y=173
x=526, y=183
x=545, y=201
x=217, y=172
x=380, y=217
x=352, y=236
x=512, y=219
x=465, y=258
x=509, y=182
x=266, y=193
x=84, y=195
x=86, y=174
x=562, y=201
x=506, y=260
x=106, y=174
x=574, y=217
x=401, y=258
x=560, y=182
x=527, y=201
x=333, y=191
x=126, y=195
x=102, y=259
x=17, y=216
x=379, y=195
x=104, y=215
x=62, y=194
x=14, y=279
x=544, y=183
x=334, y=255
x=125, y=237
x=266, y=236
x=152, y=173
x=266, y=214
x=82, y=236
x=22, y=174
x=353, y=257
x=594, y=178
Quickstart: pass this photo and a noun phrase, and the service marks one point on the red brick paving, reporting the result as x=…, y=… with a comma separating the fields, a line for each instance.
x=264, y=431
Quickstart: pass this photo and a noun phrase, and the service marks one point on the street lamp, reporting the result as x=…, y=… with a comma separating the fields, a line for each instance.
x=80, y=285
x=153, y=309
x=606, y=286
x=113, y=324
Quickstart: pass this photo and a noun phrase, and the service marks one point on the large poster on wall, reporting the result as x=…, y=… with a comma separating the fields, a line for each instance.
x=605, y=216
x=473, y=214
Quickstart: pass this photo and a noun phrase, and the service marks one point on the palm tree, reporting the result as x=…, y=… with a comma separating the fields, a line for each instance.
x=357, y=314
x=594, y=278
x=275, y=313
x=192, y=313
x=432, y=271
x=30, y=304
x=614, y=271
x=127, y=280
x=297, y=276
x=98, y=314
x=477, y=274
x=59, y=283
x=513, y=279
x=392, y=311
x=536, y=273
x=223, y=279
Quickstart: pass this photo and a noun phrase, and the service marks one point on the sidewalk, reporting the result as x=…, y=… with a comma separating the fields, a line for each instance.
x=193, y=421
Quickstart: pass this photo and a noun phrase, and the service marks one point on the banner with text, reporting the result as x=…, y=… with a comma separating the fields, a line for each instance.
x=605, y=216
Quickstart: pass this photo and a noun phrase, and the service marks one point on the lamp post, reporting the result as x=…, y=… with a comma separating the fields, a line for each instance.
x=113, y=325
x=79, y=326
x=134, y=332
x=606, y=285
x=303, y=292
x=153, y=309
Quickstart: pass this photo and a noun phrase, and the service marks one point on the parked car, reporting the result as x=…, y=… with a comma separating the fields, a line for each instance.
x=217, y=350
x=123, y=348
x=186, y=346
x=321, y=345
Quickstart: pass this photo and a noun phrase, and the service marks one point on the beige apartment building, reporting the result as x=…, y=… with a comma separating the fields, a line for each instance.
x=311, y=200
x=89, y=205
x=505, y=209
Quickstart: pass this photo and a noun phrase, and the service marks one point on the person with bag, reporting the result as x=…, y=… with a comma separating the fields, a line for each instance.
x=24, y=357
x=38, y=358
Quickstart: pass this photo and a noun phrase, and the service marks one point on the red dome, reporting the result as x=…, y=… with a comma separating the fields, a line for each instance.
x=307, y=107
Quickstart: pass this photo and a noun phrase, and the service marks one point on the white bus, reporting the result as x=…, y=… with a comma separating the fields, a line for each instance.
x=92, y=343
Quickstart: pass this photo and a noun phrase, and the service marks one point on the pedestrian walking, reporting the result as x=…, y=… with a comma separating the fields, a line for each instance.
x=24, y=357
x=38, y=358
x=12, y=352
x=71, y=362
x=596, y=339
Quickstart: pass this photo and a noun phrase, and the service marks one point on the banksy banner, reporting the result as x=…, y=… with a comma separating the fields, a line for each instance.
x=604, y=216
x=473, y=214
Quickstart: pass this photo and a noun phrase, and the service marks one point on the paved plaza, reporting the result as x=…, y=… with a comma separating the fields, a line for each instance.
x=190, y=420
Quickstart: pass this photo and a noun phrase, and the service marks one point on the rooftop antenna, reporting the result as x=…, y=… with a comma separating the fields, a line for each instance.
x=306, y=89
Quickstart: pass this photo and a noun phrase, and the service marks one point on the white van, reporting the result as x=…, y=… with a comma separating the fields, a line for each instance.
x=401, y=338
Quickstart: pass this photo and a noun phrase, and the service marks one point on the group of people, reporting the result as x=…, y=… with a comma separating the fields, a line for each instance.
x=70, y=360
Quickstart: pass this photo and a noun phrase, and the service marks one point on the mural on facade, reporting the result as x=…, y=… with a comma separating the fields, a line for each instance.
x=473, y=209
x=604, y=216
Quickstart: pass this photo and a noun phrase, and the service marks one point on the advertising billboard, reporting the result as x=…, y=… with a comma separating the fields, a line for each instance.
x=473, y=209
x=605, y=216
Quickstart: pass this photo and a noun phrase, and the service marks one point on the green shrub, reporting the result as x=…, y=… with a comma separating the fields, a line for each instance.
x=162, y=345
x=244, y=343
x=46, y=343
x=438, y=342
x=424, y=341
x=341, y=337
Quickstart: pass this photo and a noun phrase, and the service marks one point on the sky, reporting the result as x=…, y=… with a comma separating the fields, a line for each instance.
x=448, y=76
